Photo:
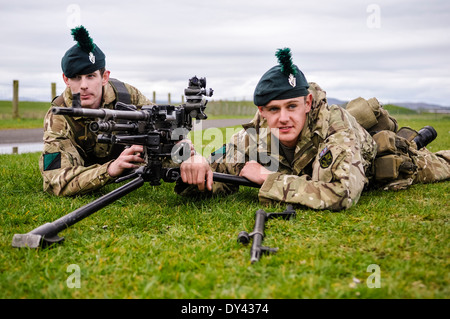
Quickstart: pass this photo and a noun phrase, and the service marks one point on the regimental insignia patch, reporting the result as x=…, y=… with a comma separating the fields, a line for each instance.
x=325, y=158
x=292, y=80
x=92, y=57
x=52, y=161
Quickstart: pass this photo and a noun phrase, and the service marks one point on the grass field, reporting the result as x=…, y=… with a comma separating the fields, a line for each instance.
x=155, y=244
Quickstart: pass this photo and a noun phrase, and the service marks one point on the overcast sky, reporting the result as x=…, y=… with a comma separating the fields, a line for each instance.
x=396, y=51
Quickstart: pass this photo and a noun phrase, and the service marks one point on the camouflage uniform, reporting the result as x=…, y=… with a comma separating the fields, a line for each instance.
x=399, y=163
x=431, y=167
x=331, y=163
x=335, y=158
x=72, y=162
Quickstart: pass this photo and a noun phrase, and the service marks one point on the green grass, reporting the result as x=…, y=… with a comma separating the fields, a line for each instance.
x=155, y=244
x=231, y=108
x=398, y=110
x=31, y=115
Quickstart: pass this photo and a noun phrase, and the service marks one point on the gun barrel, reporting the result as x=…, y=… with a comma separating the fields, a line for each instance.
x=109, y=127
x=104, y=114
x=260, y=221
x=258, y=235
x=233, y=179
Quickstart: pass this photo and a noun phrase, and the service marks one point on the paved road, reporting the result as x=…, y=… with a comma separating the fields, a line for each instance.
x=21, y=136
x=35, y=135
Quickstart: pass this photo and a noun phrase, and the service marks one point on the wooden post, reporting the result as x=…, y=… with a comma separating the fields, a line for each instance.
x=182, y=99
x=168, y=99
x=53, y=90
x=154, y=97
x=15, y=101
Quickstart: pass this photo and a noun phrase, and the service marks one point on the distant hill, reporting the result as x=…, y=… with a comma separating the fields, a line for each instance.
x=420, y=106
x=395, y=109
x=335, y=101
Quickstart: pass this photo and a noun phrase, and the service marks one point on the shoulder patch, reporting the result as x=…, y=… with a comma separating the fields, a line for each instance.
x=325, y=158
x=52, y=161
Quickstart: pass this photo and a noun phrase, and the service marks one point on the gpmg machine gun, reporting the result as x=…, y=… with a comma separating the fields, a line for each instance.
x=159, y=128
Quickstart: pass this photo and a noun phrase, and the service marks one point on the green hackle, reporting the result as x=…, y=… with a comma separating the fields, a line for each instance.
x=285, y=61
x=85, y=42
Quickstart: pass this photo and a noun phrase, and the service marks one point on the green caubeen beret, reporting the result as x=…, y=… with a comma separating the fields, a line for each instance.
x=84, y=57
x=283, y=81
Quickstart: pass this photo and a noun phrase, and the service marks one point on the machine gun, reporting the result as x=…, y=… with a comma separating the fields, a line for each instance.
x=257, y=250
x=159, y=128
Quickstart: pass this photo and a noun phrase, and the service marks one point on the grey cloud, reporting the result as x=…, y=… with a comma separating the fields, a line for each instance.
x=159, y=44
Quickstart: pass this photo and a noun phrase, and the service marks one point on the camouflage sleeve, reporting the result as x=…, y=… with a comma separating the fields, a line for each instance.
x=431, y=167
x=338, y=170
x=61, y=165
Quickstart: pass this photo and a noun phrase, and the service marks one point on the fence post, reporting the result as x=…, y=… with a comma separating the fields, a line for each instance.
x=15, y=101
x=168, y=99
x=154, y=97
x=53, y=90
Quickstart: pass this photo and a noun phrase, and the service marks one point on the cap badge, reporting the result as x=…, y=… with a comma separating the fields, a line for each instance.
x=292, y=80
x=92, y=57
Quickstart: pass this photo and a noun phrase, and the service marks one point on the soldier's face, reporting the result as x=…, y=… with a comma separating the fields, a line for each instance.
x=286, y=118
x=89, y=86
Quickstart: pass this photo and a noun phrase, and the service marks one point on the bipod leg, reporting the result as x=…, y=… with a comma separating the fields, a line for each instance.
x=47, y=234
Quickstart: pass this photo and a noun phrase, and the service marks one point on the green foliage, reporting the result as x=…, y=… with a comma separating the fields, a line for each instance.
x=155, y=244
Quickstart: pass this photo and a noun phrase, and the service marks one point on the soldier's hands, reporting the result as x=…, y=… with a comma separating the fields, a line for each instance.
x=255, y=172
x=196, y=171
x=126, y=160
